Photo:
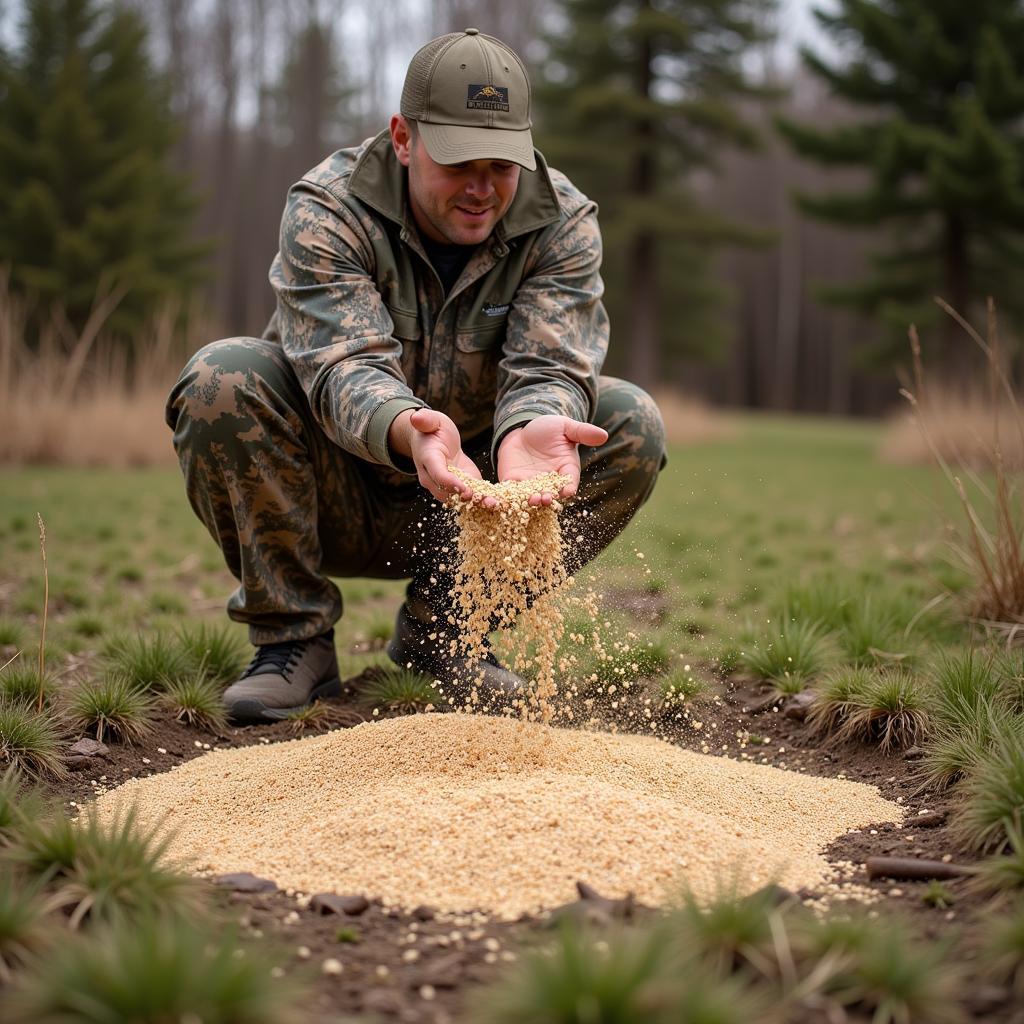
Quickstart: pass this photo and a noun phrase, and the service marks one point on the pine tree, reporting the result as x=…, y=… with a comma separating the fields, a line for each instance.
x=638, y=96
x=941, y=84
x=88, y=201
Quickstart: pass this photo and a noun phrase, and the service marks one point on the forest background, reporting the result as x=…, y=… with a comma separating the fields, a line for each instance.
x=773, y=222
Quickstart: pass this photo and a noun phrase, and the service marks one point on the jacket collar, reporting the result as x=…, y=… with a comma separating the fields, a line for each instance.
x=378, y=179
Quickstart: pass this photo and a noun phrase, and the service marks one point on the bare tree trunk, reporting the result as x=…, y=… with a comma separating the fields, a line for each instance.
x=643, y=335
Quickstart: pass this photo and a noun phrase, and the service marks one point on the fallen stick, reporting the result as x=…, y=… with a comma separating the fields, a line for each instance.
x=914, y=869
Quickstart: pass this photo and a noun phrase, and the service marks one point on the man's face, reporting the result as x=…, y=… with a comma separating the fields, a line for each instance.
x=457, y=204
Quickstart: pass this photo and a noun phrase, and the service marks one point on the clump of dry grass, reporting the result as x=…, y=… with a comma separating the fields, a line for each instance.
x=961, y=426
x=82, y=398
x=991, y=545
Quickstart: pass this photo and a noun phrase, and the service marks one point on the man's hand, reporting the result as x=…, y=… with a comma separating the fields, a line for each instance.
x=547, y=445
x=432, y=440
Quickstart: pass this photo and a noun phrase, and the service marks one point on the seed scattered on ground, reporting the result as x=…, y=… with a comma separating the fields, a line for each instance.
x=468, y=812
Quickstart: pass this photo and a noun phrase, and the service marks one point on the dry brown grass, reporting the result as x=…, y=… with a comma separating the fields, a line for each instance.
x=689, y=420
x=991, y=543
x=80, y=398
x=961, y=427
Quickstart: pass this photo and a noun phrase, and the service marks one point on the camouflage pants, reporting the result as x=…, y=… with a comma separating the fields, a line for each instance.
x=289, y=508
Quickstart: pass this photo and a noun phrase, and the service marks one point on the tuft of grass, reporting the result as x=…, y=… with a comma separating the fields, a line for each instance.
x=728, y=932
x=147, y=662
x=400, y=690
x=824, y=600
x=937, y=895
x=789, y=656
x=579, y=979
x=955, y=749
x=681, y=686
x=836, y=696
x=348, y=935
x=963, y=684
x=153, y=970
x=102, y=870
x=29, y=741
x=87, y=625
x=11, y=633
x=113, y=708
x=220, y=653
x=993, y=795
x=1009, y=667
x=197, y=701
x=320, y=715
x=1004, y=871
x=890, y=711
x=1004, y=947
x=24, y=929
x=19, y=684
x=887, y=976
x=630, y=659
x=871, y=635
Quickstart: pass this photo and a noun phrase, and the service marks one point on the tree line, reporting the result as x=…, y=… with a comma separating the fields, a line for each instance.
x=769, y=236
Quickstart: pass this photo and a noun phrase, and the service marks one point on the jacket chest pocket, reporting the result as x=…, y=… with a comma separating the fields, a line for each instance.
x=480, y=333
x=406, y=325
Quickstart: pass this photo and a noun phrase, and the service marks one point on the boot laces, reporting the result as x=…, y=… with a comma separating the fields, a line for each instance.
x=280, y=657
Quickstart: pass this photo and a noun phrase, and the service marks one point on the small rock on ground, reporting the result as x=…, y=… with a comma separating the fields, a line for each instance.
x=245, y=881
x=332, y=903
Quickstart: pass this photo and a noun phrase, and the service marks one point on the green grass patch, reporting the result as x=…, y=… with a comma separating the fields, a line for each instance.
x=29, y=741
x=399, y=690
x=112, y=709
x=196, y=701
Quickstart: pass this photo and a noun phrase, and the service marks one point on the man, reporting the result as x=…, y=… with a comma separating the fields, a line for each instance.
x=438, y=304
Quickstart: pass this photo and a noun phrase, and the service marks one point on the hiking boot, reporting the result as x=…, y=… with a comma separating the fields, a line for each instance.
x=411, y=647
x=284, y=677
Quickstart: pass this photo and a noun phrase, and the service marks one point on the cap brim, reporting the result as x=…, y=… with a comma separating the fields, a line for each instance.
x=454, y=143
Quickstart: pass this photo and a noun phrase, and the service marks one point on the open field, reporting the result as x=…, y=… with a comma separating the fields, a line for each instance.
x=766, y=565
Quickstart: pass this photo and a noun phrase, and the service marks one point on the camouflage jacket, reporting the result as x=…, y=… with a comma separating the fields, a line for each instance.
x=365, y=323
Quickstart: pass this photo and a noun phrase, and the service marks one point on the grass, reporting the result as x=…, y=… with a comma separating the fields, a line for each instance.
x=19, y=684
x=871, y=635
x=993, y=795
x=890, y=710
x=147, y=662
x=1004, y=947
x=963, y=684
x=575, y=980
x=1004, y=871
x=102, y=870
x=399, y=690
x=681, y=686
x=956, y=748
x=835, y=697
x=30, y=741
x=197, y=701
x=218, y=652
x=892, y=979
x=113, y=708
x=153, y=970
x=789, y=656
x=24, y=929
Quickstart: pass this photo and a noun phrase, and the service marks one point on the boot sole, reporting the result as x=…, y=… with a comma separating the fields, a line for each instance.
x=250, y=711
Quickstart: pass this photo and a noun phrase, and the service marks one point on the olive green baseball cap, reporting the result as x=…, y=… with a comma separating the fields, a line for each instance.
x=470, y=95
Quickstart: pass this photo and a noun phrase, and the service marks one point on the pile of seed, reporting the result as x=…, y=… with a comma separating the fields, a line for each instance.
x=509, y=575
x=469, y=811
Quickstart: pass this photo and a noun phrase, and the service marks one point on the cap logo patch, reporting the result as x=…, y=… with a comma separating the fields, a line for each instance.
x=487, y=97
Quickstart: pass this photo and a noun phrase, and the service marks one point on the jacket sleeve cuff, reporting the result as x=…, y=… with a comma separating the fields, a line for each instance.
x=518, y=419
x=378, y=428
